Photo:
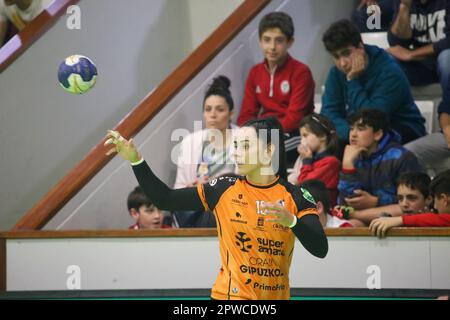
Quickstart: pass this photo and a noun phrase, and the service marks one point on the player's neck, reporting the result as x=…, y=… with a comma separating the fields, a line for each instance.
x=256, y=177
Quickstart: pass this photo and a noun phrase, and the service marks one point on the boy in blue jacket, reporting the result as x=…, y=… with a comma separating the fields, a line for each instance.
x=366, y=77
x=372, y=162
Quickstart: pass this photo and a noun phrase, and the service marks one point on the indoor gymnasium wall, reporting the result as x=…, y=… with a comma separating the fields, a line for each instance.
x=50, y=131
x=101, y=204
x=45, y=131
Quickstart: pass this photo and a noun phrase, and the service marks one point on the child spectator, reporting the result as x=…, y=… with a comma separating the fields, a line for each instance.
x=412, y=193
x=318, y=144
x=440, y=190
x=144, y=213
x=372, y=162
x=365, y=76
x=206, y=154
x=281, y=86
x=321, y=195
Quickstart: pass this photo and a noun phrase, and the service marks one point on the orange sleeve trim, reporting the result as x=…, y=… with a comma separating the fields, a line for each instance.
x=201, y=195
x=303, y=213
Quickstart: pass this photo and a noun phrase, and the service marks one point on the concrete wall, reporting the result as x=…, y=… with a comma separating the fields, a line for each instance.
x=45, y=132
x=193, y=263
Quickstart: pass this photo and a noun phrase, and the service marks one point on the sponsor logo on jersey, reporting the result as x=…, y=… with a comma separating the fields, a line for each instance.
x=238, y=218
x=265, y=287
x=262, y=272
x=271, y=247
x=308, y=196
x=242, y=242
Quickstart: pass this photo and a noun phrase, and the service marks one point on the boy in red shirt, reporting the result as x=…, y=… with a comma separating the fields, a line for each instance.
x=440, y=190
x=281, y=86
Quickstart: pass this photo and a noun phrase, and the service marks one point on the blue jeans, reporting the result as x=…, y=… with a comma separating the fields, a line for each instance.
x=429, y=71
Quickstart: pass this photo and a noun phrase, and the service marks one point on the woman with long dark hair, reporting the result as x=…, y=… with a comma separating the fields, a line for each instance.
x=258, y=214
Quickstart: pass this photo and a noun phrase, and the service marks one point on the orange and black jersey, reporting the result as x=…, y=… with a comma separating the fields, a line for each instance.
x=255, y=254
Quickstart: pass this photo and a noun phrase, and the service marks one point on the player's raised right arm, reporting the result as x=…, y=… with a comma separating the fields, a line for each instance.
x=157, y=191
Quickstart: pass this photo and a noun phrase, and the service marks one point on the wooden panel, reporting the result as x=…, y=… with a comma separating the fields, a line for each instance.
x=32, y=32
x=344, y=232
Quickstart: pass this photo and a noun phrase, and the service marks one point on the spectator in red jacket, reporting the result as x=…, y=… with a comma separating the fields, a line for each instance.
x=144, y=212
x=440, y=190
x=280, y=86
x=319, y=142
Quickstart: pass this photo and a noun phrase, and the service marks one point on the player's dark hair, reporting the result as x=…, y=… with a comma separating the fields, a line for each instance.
x=341, y=34
x=220, y=87
x=137, y=198
x=419, y=181
x=268, y=127
x=322, y=127
x=374, y=118
x=440, y=184
x=280, y=20
x=319, y=192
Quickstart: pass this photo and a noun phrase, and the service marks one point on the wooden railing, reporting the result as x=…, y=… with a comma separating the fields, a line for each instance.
x=95, y=160
x=33, y=31
x=331, y=232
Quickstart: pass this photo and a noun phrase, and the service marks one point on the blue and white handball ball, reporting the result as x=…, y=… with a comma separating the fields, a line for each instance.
x=77, y=74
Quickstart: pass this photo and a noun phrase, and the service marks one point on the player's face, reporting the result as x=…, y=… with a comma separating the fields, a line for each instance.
x=216, y=113
x=150, y=217
x=363, y=136
x=410, y=200
x=310, y=140
x=246, y=146
x=275, y=45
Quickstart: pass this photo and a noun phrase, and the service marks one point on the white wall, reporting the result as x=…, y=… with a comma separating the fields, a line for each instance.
x=193, y=263
x=205, y=16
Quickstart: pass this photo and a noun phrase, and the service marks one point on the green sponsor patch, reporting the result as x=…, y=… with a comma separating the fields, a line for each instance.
x=308, y=196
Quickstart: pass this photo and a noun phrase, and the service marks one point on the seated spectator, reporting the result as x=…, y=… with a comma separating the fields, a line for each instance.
x=318, y=145
x=440, y=190
x=372, y=162
x=360, y=17
x=322, y=197
x=365, y=76
x=420, y=41
x=144, y=213
x=19, y=13
x=280, y=86
x=413, y=196
x=206, y=154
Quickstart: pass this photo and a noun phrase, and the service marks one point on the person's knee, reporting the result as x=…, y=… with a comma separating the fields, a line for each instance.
x=444, y=62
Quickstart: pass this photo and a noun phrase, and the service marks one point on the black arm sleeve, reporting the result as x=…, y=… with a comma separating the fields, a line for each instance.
x=162, y=196
x=311, y=235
